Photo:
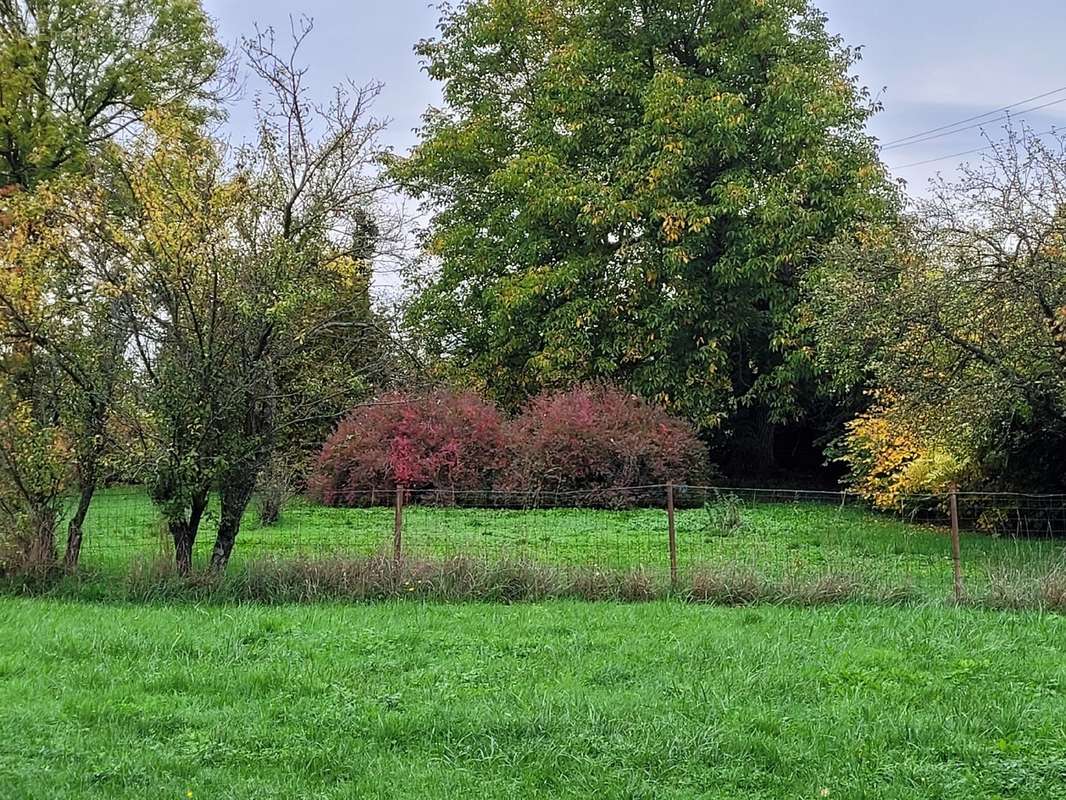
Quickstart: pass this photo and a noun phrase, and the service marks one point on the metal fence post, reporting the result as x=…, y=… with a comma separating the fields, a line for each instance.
x=956, y=545
x=673, y=533
x=397, y=531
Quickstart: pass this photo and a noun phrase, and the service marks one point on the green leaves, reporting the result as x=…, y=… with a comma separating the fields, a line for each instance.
x=951, y=316
x=632, y=190
x=74, y=73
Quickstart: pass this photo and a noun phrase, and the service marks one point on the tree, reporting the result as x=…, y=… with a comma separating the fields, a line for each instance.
x=956, y=319
x=633, y=190
x=249, y=266
x=75, y=77
x=308, y=232
x=63, y=334
x=75, y=74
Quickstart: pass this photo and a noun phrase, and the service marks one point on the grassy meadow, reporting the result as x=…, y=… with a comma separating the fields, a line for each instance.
x=233, y=691
x=551, y=700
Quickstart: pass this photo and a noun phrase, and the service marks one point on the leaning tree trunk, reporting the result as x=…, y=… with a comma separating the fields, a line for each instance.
x=235, y=495
x=74, y=528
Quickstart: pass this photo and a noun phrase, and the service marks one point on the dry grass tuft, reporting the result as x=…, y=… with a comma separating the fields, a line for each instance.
x=729, y=586
x=827, y=589
x=1053, y=590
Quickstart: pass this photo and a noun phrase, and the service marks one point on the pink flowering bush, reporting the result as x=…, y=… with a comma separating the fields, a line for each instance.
x=594, y=437
x=444, y=440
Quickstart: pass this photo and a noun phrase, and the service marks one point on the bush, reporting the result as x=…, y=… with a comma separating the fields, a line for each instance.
x=889, y=458
x=595, y=437
x=444, y=441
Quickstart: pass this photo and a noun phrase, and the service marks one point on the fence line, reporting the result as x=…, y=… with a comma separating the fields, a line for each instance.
x=942, y=544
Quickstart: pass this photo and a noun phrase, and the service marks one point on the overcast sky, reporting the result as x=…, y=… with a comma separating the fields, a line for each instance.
x=938, y=61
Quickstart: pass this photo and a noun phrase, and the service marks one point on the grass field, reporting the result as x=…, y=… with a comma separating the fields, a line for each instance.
x=770, y=539
x=555, y=700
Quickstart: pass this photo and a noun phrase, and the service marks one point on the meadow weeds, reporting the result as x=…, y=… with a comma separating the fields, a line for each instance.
x=277, y=580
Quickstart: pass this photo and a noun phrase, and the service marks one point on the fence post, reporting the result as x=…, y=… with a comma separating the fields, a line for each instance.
x=956, y=545
x=397, y=531
x=673, y=533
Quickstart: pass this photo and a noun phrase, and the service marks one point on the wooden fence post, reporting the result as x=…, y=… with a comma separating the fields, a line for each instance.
x=397, y=531
x=956, y=545
x=673, y=533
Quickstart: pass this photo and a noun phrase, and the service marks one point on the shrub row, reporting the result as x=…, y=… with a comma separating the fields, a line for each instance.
x=588, y=439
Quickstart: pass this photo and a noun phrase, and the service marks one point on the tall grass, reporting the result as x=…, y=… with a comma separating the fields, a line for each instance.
x=274, y=580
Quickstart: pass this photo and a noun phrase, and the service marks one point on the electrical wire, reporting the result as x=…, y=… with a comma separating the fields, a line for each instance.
x=976, y=117
x=963, y=153
x=971, y=127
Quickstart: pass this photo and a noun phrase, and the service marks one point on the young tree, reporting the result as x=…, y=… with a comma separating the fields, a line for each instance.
x=308, y=233
x=957, y=318
x=61, y=322
x=633, y=190
x=249, y=270
x=177, y=245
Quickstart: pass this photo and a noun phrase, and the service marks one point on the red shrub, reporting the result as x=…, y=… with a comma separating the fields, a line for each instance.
x=595, y=437
x=445, y=440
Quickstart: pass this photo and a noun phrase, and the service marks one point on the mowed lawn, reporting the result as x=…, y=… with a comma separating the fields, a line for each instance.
x=803, y=538
x=555, y=700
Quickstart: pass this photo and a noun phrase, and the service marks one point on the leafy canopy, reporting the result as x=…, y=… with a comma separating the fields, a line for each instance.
x=632, y=190
x=77, y=73
x=956, y=318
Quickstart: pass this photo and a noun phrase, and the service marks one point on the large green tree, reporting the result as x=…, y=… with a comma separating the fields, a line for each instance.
x=633, y=189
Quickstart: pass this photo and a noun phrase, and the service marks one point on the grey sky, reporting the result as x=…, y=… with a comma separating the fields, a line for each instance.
x=939, y=61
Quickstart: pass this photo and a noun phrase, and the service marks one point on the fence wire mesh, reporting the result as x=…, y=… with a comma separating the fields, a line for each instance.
x=1007, y=540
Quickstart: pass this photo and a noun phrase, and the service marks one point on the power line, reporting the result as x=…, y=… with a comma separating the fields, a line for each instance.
x=976, y=117
x=944, y=158
x=971, y=127
x=963, y=153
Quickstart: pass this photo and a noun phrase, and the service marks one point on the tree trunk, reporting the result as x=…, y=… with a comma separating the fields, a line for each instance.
x=88, y=464
x=42, y=549
x=183, y=542
x=184, y=533
x=74, y=529
x=235, y=496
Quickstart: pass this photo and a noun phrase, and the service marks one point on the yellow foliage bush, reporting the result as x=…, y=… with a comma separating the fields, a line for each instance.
x=888, y=458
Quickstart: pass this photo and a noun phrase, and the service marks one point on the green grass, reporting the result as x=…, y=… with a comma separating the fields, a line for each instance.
x=556, y=700
x=773, y=540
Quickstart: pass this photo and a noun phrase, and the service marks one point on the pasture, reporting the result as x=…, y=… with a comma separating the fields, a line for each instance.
x=551, y=700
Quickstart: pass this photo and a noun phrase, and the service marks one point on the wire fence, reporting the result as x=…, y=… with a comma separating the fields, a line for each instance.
x=1005, y=541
